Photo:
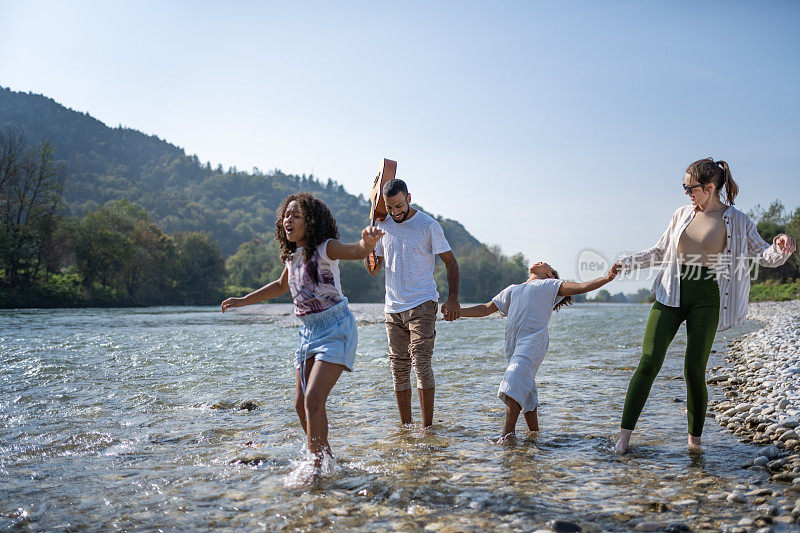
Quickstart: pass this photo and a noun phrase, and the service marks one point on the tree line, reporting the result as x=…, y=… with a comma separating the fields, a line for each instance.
x=116, y=255
x=180, y=193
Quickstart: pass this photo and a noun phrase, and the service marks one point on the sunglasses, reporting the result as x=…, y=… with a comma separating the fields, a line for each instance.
x=688, y=188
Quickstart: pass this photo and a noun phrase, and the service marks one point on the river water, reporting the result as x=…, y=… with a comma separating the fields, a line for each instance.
x=131, y=419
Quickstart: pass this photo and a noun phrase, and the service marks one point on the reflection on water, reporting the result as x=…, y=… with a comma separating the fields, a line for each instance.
x=183, y=418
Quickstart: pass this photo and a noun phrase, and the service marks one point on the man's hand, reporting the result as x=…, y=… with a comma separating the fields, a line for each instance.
x=451, y=309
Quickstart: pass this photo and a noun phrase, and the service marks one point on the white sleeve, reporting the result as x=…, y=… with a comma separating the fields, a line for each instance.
x=379, y=247
x=503, y=300
x=555, y=285
x=323, y=250
x=439, y=244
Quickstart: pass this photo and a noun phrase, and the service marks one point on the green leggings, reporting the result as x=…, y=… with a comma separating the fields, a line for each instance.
x=699, y=306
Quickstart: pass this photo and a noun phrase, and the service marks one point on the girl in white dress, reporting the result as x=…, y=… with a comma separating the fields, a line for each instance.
x=528, y=307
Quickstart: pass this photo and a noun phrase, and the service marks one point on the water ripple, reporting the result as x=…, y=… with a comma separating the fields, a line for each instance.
x=182, y=418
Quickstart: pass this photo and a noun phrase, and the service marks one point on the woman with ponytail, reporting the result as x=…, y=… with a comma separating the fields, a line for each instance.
x=705, y=255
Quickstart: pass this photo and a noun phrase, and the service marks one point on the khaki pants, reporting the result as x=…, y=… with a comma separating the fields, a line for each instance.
x=411, y=334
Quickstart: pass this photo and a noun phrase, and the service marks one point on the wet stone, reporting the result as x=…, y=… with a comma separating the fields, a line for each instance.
x=248, y=405
x=762, y=521
x=649, y=526
x=770, y=452
x=677, y=527
x=767, y=510
x=563, y=526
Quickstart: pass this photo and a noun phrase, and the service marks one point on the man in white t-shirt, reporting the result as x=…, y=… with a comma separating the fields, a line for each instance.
x=409, y=246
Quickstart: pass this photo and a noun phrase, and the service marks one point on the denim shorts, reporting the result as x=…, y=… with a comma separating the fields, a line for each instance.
x=330, y=335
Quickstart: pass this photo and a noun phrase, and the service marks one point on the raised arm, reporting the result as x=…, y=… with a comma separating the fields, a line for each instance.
x=570, y=288
x=451, y=309
x=357, y=250
x=769, y=255
x=476, y=311
x=270, y=290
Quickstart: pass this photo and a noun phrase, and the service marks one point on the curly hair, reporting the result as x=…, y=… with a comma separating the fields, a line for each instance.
x=319, y=223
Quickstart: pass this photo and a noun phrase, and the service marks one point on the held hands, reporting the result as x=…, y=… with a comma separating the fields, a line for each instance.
x=785, y=244
x=613, y=271
x=371, y=235
x=451, y=309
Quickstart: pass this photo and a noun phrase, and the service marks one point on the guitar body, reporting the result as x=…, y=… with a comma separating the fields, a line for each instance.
x=377, y=210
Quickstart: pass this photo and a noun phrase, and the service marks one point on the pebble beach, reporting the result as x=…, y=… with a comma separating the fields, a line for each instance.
x=761, y=385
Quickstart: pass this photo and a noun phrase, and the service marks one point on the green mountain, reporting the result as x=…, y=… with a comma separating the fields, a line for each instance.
x=179, y=192
x=236, y=209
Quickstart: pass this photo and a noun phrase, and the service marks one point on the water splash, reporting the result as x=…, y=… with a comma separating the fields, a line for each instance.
x=306, y=473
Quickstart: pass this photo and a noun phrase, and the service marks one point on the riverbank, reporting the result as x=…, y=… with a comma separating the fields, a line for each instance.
x=761, y=383
x=771, y=291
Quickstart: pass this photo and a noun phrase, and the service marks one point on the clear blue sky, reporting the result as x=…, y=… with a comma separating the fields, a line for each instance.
x=544, y=127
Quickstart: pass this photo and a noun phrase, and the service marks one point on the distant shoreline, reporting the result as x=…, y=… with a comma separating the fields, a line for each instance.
x=216, y=304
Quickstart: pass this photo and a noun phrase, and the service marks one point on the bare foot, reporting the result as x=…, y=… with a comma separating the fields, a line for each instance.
x=315, y=476
x=694, y=443
x=506, y=438
x=622, y=443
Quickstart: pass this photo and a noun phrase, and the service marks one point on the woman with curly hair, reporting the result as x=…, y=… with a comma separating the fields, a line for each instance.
x=311, y=250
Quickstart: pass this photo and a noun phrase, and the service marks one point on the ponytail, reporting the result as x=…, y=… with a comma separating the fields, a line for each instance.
x=706, y=171
x=731, y=188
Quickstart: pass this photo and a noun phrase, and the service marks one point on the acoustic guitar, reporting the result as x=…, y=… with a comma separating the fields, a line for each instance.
x=377, y=210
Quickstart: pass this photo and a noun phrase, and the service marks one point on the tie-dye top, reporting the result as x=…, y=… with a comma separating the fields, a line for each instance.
x=315, y=285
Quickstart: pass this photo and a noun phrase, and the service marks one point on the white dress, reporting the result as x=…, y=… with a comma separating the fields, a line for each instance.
x=528, y=307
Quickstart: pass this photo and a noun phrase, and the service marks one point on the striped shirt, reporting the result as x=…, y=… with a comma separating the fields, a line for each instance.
x=743, y=246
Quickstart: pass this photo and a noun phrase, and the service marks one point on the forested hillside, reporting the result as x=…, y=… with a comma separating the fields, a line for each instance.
x=235, y=209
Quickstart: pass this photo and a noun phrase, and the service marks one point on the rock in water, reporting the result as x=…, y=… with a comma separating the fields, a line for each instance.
x=248, y=405
x=649, y=526
x=563, y=526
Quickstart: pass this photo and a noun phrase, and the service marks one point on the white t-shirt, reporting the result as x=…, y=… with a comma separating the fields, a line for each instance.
x=409, y=251
x=315, y=285
x=528, y=307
